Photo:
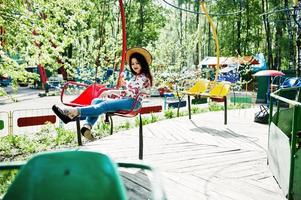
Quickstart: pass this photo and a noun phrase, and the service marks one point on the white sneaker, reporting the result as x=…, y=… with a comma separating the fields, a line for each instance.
x=86, y=132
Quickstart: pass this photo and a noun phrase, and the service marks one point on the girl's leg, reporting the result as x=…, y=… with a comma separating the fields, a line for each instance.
x=91, y=119
x=107, y=106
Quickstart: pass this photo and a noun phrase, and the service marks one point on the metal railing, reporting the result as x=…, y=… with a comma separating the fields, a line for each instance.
x=292, y=135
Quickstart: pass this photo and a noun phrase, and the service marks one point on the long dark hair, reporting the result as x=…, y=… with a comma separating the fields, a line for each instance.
x=144, y=66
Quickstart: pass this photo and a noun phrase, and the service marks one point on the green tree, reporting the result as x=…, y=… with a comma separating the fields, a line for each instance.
x=144, y=22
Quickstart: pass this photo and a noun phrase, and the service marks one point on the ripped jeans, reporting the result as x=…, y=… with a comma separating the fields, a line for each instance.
x=100, y=106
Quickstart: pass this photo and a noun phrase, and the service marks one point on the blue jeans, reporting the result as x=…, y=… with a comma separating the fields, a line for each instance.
x=100, y=106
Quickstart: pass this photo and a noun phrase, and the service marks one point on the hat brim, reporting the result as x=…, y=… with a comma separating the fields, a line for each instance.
x=142, y=51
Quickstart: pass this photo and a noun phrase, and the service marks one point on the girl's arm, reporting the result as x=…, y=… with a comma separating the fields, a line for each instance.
x=110, y=93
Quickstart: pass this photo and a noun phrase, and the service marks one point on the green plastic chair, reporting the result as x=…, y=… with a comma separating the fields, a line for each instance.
x=70, y=175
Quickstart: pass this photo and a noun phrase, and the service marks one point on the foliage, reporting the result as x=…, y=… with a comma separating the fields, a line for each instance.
x=239, y=106
x=21, y=147
x=125, y=126
x=64, y=136
x=213, y=106
x=101, y=129
x=6, y=178
x=16, y=147
x=147, y=120
x=144, y=121
x=144, y=22
x=154, y=118
x=169, y=113
x=72, y=34
x=78, y=34
x=195, y=109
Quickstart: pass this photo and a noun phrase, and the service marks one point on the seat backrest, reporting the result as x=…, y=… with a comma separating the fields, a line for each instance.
x=69, y=175
x=289, y=82
x=220, y=89
x=199, y=87
x=90, y=93
x=298, y=83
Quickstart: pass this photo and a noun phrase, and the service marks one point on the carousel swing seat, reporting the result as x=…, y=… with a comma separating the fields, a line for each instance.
x=85, y=98
x=93, y=91
x=217, y=92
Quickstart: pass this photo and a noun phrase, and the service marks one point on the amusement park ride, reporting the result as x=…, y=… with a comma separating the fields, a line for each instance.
x=72, y=174
x=68, y=170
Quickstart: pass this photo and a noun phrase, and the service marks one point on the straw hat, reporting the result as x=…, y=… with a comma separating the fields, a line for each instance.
x=142, y=51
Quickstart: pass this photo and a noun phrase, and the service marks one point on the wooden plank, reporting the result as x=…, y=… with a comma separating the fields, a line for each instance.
x=200, y=158
x=137, y=184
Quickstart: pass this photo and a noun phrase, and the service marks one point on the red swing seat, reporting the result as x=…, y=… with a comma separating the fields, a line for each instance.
x=93, y=91
x=85, y=98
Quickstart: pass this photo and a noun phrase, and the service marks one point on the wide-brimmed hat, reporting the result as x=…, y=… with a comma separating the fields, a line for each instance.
x=142, y=51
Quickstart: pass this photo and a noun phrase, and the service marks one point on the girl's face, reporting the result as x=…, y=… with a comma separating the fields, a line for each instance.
x=135, y=64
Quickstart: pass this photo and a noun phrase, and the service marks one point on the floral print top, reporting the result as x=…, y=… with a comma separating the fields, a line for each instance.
x=137, y=84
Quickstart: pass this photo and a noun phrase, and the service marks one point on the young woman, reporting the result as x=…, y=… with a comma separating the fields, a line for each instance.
x=139, y=60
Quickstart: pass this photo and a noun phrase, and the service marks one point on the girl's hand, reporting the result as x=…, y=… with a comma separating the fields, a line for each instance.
x=110, y=93
x=104, y=94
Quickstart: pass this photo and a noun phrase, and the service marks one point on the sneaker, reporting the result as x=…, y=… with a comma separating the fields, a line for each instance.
x=65, y=115
x=86, y=132
x=71, y=113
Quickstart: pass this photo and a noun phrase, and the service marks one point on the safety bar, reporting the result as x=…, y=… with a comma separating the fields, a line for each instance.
x=158, y=191
x=276, y=95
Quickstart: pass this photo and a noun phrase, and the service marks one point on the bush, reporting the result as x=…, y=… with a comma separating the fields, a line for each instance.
x=168, y=114
x=102, y=129
x=6, y=178
x=64, y=137
x=125, y=126
x=195, y=109
x=215, y=107
x=154, y=118
x=239, y=106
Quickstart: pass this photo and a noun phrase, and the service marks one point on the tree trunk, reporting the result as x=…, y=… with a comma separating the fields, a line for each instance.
x=298, y=37
x=181, y=38
x=268, y=33
x=247, y=27
x=141, y=22
x=238, y=44
x=292, y=54
x=278, y=36
x=101, y=36
x=203, y=53
x=209, y=40
x=196, y=59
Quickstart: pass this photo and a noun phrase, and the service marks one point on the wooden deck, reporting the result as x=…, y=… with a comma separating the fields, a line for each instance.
x=199, y=158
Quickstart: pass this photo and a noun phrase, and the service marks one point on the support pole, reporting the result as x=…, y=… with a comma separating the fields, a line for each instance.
x=140, y=138
x=297, y=18
x=226, y=110
x=79, y=136
x=123, y=24
x=189, y=107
